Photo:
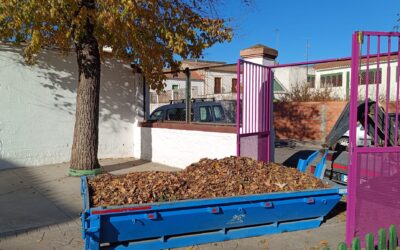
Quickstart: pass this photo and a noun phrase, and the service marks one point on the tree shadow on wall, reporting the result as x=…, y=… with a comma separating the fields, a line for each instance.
x=146, y=145
x=296, y=121
x=121, y=97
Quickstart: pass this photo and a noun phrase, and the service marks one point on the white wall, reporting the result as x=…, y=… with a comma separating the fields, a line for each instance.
x=261, y=60
x=180, y=148
x=283, y=76
x=37, y=108
x=290, y=76
x=182, y=84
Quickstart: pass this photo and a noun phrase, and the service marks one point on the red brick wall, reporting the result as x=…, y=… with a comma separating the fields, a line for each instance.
x=306, y=121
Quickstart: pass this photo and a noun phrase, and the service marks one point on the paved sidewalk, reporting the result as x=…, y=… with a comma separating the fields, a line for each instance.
x=40, y=207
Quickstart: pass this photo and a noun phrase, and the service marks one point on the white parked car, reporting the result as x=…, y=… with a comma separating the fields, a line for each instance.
x=344, y=140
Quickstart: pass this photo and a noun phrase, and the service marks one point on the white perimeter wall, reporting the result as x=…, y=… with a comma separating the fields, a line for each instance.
x=180, y=148
x=37, y=108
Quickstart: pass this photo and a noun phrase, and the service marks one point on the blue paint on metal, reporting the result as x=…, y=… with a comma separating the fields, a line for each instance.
x=321, y=166
x=192, y=222
x=302, y=164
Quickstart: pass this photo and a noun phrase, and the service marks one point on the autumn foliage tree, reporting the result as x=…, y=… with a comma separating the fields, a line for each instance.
x=146, y=32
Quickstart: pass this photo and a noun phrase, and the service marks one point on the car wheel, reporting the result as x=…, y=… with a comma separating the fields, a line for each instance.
x=342, y=144
x=344, y=141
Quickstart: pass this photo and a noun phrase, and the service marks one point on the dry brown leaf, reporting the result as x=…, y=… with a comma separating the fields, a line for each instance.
x=205, y=179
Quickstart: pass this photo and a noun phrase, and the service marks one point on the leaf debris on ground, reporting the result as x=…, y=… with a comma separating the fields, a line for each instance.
x=231, y=176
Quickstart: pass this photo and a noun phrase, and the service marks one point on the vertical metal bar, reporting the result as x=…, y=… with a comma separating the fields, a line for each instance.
x=261, y=101
x=238, y=111
x=248, y=115
x=246, y=98
x=387, y=94
x=249, y=95
x=249, y=98
x=266, y=98
x=269, y=111
x=377, y=76
x=188, y=95
x=255, y=99
x=397, y=93
x=243, y=65
x=253, y=95
x=352, y=184
x=265, y=92
x=241, y=98
x=250, y=101
x=256, y=103
x=366, y=93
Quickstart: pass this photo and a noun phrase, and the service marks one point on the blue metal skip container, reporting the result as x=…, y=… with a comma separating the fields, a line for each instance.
x=191, y=222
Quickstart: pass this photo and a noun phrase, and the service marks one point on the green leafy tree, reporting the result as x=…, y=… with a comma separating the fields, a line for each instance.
x=146, y=32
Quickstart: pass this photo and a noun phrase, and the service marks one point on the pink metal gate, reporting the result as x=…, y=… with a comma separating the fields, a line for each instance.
x=374, y=170
x=254, y=103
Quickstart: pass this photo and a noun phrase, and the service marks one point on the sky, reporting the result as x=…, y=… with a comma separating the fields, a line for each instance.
x=287, y=25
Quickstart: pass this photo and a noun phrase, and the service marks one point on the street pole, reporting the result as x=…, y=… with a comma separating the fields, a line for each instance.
x=188, y=95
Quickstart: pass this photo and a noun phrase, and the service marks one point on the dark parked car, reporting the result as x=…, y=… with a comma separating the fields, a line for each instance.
x=203, y=110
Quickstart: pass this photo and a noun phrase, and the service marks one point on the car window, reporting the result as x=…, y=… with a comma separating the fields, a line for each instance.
x=205, y=114
x=176, y=114
x=218, y=113
x=157, y=115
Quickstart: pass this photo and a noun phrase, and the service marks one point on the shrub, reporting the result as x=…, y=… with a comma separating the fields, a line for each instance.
x=304, y=93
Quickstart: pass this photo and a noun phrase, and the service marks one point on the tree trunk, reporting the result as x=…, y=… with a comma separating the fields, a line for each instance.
x=86, y=131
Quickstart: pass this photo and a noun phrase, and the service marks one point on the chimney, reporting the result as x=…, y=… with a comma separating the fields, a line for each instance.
x=259, y=54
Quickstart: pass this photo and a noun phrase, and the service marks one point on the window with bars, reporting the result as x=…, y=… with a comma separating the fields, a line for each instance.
x=372, y=76
x=311, y=81
x=217, y=85
x=331, y=80
x=233, y=88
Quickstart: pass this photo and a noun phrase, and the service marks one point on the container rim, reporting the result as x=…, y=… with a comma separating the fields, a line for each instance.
x=334, y=189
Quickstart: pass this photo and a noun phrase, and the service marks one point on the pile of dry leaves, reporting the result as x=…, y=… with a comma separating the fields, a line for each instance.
x=206, y=179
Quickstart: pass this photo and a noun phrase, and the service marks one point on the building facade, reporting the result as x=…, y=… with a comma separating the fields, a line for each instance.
x=337, y=76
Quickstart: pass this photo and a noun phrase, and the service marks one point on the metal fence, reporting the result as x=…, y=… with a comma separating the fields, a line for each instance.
x=175, y=94
x=374, y=170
